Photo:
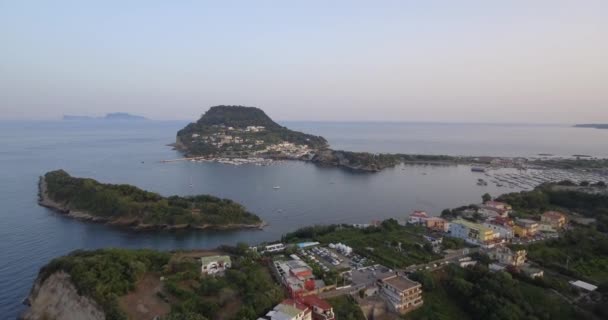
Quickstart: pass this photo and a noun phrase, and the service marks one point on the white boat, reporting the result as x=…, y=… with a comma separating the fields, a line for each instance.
x=276, y=187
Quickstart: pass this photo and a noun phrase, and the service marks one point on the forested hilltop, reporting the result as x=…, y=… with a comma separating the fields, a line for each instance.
x=242, y=131
x=130, y=206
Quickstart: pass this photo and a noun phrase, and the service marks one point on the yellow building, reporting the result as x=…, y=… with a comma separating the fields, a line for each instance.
x=525, y=228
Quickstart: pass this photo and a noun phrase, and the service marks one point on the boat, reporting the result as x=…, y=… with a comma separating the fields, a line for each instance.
x=276, y=187
x=478, y=169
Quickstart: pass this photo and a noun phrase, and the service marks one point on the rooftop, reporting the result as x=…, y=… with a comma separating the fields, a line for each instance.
x=400, y=283
x=472, y=225
x=290, y=307
x=313, y=300
x=583, y=285
x=210, y=259
x=525, y=222
x=553, y=215
x=419, y=213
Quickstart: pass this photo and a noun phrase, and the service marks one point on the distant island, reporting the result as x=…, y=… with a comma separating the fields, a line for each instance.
x=109, y=116
x=129, y=206
x=247, y=132
x=592, y=125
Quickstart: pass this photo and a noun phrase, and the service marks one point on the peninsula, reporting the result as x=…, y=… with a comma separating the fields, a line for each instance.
x=592, y=125
x=247, y=132
x=129, y=206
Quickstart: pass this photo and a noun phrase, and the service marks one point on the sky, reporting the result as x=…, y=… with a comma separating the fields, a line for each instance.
x=441, y=61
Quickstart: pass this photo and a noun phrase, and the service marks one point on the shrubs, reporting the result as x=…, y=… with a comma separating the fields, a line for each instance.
x=104, y=275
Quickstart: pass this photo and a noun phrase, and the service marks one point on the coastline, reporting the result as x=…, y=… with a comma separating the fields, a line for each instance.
x=130, y=223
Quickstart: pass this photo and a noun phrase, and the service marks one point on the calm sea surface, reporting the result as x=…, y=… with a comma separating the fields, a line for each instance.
x=130, y=152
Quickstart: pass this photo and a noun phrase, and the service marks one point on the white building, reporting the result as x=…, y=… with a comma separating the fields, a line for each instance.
x=277, y=247
x=215, y=264
x=505, y=232
x=289, y=310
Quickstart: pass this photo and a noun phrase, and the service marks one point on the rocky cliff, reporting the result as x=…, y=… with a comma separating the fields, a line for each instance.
x=56, y=298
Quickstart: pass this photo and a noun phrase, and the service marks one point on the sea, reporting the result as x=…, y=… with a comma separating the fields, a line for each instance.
x=130, y=152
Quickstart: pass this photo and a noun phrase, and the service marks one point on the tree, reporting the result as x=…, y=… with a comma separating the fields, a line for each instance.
x=486, y=197
x=584, y=183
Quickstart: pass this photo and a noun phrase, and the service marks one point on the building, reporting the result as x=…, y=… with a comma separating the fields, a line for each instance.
x=277, y=247
x=506, y=256
x=583, y=285
x=532, y=273
x=418, y=217
x=471, y=232
x=435, y=242
x=501, y=226
x=297, y=277
x=215, y=264
x=556, y=220
x=401, y=294
x=491, y=212
x=289, y=310
x=498, y=205
x=321, y=310
x=437, y=224
x=524, y=228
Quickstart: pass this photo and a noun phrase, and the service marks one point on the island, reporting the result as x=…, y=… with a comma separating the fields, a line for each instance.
x=238, y=132
x=129, y=206
x=116, y=116
x=592, y=125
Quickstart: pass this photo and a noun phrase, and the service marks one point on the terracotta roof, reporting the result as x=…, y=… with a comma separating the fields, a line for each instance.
x=419, y=214
x=553, y=215
x=313, y=300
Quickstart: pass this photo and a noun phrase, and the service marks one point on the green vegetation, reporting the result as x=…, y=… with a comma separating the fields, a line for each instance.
x=114, y=202
x=104, y=275
x=246, y=291
x=476, y=293
x=580, y=253
x=346, y=309
x=390, y=244
x=217, y=121
x=564, y=196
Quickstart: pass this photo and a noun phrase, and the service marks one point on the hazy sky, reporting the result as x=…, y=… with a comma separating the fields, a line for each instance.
x=495, y=61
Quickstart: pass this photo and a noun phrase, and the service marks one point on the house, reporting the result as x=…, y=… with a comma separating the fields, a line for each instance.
x=506, y=256
x=491, y=212
x=437, y=224
x=532, y=273
x=321, y=310
x=498, y=205
x=289, y=310
x=400, y=293
x=435, y=242
x=296, y=275
x=215, y=264
x=524, y=228
x=471, y=232
x=556, y=220
x=418, y=217
x=501, y=225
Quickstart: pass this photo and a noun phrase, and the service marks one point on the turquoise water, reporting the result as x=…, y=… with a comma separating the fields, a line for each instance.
x=114, y=152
